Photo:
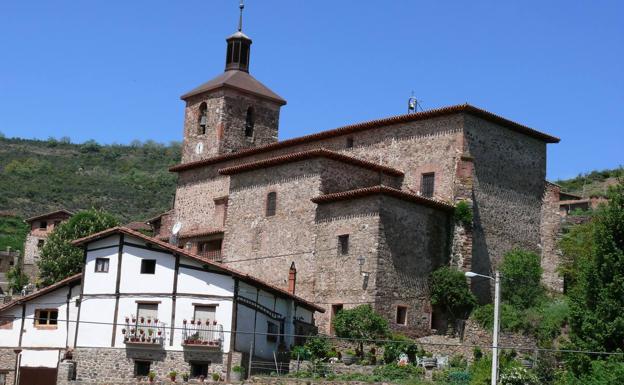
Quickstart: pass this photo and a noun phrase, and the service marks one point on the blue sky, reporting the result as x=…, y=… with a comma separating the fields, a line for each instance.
x=113, y=71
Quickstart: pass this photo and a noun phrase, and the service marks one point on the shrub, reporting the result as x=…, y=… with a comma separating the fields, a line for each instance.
x=400, y=344
x=300, y=353
x=554, y=317
x=395, y=372
x=361, y=323
x=521, y=273
x=317, y=347
x=518, y=376
x=450, y=292
x=463, y=213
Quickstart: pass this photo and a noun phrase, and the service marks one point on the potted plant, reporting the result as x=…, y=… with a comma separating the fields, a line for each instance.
x=151, y=375
x=216, y=377
x=127, y=319
x=192, y=322
x=236, y=373
x=172, y=375
x=214, y=322
x=142, y=320
x=429, y=361
x=184, y=321
x=348, y=357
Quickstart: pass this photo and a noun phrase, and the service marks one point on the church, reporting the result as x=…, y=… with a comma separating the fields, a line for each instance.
x=359, y=214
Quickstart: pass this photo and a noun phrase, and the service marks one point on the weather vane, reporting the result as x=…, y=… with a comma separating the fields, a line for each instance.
x=240, y=18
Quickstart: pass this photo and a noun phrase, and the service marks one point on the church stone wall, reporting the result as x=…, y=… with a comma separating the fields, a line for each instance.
x=550, y=235
x=509, y=178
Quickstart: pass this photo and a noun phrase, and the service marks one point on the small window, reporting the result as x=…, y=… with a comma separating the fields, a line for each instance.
x=43, y=225
x=142, y=368
x=401, y=315
x=427, y=185
x=249, y=123
x=148, y=266
x=272, y=331
x=271, y=203
x=3, y=377
x=48, y=317
x=203, y=119
x=350, y=142
x=199, y=369
x=343, y=244
x=40, y=243
x=101, y=265
x=204, y=313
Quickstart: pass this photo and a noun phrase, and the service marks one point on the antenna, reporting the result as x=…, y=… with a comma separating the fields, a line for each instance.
x=413, y=104
x=240, y=18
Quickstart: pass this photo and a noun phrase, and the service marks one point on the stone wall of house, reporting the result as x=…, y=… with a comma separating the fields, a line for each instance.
x=550, y=235
x=31, y=255
x=225, y=128
x=509, y=178
x=414, y=241
x=116, y=366
x=7, y=364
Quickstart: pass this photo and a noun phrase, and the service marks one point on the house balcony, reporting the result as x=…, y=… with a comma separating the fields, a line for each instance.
x=202, y=335
x=212, y=255
x=143, y=332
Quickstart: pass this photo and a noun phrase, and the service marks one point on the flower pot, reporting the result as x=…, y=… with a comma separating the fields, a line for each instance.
x=430, y=362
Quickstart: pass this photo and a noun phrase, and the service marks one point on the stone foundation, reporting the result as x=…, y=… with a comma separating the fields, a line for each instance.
x=7, y=364
x=116, y=366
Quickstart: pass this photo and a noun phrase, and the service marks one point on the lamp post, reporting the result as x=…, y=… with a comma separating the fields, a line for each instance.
x=496, y=280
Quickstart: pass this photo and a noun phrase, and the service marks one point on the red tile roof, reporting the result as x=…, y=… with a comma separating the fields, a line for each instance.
x=69, y=280
x=50, y=214
x=204, y=261
x=374, y=190
x=462, y=108
x=308, y=154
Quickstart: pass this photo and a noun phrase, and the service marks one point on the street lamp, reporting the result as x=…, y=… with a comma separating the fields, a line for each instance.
x=496, y=280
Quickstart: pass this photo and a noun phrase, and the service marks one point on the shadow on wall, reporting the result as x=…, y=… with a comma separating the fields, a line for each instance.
x=481, y=262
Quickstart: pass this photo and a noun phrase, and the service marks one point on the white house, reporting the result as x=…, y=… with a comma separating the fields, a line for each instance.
x=143, y=305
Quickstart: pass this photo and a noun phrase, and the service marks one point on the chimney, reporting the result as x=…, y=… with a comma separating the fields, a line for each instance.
x=292, y=278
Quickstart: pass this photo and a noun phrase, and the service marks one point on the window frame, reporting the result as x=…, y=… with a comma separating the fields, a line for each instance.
x=144, y=266
x=199, y=363
x=424, y=183
x=270, y=211
x=48, y=319
x=343, y=244
x=250, y=123
x=401, y=310
x=107, y=260
x=43, y=225
x=350, y=142
x=272, y=335
x=203, y=111
x=136, y=367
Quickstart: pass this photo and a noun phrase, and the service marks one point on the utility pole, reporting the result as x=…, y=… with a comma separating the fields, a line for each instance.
x=496, y=328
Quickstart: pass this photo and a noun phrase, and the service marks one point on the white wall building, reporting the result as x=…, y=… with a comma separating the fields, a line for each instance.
x=143, y=305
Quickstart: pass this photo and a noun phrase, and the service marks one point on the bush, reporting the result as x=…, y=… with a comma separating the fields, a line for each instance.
x=395, y=372
x=317, y=347
x=360, y=323
x=400, y=345
x=450, y=292
x=554, y=317
x=521, y=275
x=518, y=376
x=463, y=213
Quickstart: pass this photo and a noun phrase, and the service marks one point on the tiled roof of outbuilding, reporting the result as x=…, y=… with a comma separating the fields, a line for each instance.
x=308, y=154
x=50, y=214
x=429, y=114
x=69, y=280
x=215, y=265
x=374, y=190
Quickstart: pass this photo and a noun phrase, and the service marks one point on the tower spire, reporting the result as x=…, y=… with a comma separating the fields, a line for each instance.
x=240, y=18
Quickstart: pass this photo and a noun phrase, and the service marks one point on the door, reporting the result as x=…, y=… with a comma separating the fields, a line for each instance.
x=37, y=376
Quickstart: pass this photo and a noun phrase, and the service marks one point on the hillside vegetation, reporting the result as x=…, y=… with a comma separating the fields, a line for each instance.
x=129, y=181
x=594, y=183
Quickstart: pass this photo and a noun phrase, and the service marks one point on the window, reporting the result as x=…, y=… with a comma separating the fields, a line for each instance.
x=43, y=225
x=142, y=368
x=3, y=376
x=199, y=369
x=249, y=123
x=203, y=119
x=40, y=243
x=271, y=203
x=272, y=331
x=343, y=244
x=401, y=315
x=350, y=142
x=204, y=312
x=101, y=265
x=148, y=266
x=220, y=213
x=46, y=317
x=335, y=309
x=427, y=184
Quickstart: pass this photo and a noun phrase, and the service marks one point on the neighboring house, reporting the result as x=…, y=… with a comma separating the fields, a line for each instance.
x=40, y=227
x=8, y=259
x=144, y=305
x=364, y=210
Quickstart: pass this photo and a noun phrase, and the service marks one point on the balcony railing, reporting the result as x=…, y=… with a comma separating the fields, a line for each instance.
x=213, y=255
x=143, y=331
x=205, y=334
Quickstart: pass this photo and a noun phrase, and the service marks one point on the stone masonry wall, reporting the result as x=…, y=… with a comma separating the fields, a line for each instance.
x=550, y=233
x=7, y=364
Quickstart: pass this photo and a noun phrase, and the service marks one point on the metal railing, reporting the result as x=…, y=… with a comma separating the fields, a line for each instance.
x=143, y=330
x=200, y=333
x=213, y=255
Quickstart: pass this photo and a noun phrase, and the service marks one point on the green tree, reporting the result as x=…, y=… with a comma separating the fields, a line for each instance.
x=17, y=279
x=576, y=248
x=59, y=259
x=597, y=301
x=521, y=275
x=360, y=323
x=450, y=292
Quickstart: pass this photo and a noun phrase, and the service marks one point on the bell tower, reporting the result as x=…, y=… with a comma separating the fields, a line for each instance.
x=233, y=111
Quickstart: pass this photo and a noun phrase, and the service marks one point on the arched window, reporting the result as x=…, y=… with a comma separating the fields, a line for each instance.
x=202, y=121
x=249, y=123
x=271, y=203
